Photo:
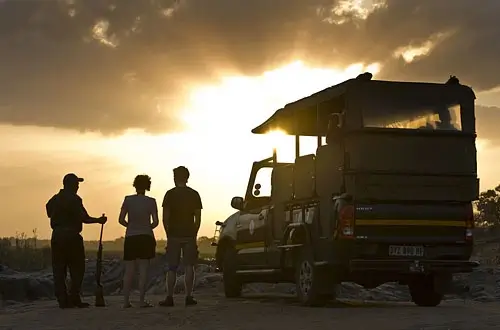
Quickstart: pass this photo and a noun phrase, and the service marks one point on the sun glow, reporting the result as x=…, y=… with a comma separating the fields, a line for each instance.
x=219, y=119
x=243, y=102
x=222, y=115
x=276, y=137
x=218, y=146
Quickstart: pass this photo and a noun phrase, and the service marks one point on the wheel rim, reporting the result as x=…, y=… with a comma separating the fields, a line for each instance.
x=305, y=277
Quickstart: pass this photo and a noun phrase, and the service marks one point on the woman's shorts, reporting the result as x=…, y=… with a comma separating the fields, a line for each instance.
x=139, y=247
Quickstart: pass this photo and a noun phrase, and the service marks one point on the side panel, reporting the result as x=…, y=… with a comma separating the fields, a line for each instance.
x=251, y=237
x=411, y=187
x=426, y=154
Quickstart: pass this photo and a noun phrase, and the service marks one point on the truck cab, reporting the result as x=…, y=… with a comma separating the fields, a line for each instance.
x=387, y=198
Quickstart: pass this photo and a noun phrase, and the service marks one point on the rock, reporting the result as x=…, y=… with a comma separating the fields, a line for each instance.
x=482, y=285
x=25, y=287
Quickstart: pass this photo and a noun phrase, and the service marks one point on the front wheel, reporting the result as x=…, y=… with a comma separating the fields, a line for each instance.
x=423, y=292
x=232, y=284
x=312, y=282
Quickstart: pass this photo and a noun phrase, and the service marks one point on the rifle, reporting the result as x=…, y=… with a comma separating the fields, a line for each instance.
x=99, y=294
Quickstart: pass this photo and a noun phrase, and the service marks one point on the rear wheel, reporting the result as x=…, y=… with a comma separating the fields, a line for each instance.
x=314, y=285
x=424, y=293
x=232, y=284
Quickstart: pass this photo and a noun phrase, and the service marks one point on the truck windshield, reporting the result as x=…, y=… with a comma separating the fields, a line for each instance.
x=443, y=117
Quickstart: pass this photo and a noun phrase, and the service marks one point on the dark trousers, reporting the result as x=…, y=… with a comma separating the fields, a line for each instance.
x=67, y=253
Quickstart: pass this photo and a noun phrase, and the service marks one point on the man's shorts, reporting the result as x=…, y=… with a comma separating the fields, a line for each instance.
x=189, y=249
x=139, y=247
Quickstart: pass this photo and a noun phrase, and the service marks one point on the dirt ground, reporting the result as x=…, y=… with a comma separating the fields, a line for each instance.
x=254, y=312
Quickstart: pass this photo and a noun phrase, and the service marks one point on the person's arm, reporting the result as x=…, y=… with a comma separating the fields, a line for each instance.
x=154, y=215
x=197, y=212
x=49, y=207
x=123, y=214
x=166, y=213
x=86, y=218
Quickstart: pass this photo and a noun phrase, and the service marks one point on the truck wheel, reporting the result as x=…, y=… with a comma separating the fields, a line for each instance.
x=311, y=281
x=232, y=284
x=423, y=292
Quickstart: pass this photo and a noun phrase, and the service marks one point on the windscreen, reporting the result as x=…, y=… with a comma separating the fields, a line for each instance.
x=443, y=117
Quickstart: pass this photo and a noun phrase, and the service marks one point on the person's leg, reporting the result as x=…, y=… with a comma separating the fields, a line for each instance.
x=173, y=257
x=127, y=281
x=190, y=256
x=147, y=253
x=143, y=280
x=59, y=271
x=76, y=270
x=129, y=257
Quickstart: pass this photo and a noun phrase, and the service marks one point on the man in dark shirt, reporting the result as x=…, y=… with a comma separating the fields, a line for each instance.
x=181, y=220
x=67, y=216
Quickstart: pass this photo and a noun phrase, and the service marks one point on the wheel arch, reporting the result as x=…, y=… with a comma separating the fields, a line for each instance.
x=224, y=243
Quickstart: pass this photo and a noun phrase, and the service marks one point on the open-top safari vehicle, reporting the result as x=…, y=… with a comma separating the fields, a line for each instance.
x=387, y=198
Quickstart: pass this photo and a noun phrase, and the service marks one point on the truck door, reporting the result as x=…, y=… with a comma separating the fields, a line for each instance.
x=251, y=237
x=273, y=237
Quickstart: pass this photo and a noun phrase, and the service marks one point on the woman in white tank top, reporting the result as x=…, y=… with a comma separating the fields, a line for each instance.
x=141, y=212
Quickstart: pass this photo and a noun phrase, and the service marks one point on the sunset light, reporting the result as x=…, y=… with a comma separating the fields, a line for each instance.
x=223, y=114
x=240, y=102
x=154, y=144
x=217, y=145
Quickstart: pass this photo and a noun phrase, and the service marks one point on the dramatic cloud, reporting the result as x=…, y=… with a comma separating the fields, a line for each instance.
x=487, y=119
x=109, y=65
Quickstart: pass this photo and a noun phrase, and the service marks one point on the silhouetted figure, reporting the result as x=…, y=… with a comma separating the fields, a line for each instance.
x=445, y=119
x=140, y=244
x=181, y=219
x=67, y=216
x=366, y=76
x=333, y=131
x=453, y=80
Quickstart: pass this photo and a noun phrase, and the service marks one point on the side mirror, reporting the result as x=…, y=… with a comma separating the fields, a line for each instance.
x=237, y=203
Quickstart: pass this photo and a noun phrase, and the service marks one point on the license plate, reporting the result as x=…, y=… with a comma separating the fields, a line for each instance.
x=406, y=251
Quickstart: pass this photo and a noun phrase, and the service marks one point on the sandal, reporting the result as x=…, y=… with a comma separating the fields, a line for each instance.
x=146, y=304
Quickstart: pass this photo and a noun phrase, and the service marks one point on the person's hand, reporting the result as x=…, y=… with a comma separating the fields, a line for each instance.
x=103, y=219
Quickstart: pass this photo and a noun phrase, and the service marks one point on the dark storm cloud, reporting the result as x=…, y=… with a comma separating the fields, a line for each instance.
x=107, y=65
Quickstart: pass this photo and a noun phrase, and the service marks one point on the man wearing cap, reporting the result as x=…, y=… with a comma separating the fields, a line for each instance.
x=181, y=220
x=67, y=216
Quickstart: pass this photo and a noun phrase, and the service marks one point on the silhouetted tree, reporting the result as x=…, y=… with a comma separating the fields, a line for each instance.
x=488, y=207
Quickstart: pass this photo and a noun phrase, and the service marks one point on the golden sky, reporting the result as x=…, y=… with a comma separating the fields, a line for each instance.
x=111, y=89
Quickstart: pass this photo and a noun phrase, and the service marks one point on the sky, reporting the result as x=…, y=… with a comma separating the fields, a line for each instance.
x=111, y=89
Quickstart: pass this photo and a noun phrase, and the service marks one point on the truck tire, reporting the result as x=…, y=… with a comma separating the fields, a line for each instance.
x=423, y=293
x=232, y=284
x=312, y=282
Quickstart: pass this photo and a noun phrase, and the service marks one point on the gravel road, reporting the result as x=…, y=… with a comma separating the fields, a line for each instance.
x=255, y=311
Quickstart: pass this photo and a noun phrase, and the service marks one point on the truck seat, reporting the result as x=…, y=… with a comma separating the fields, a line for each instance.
x=304, y=176
x=328, y=169
x=282, y=184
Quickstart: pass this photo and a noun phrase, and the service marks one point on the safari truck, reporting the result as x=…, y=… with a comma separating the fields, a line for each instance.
x=387, y=197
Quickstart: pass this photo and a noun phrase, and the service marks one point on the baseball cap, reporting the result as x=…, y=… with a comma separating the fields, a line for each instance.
x=71, y=178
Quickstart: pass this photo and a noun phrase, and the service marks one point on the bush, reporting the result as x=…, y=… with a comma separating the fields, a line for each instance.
x=22, y=253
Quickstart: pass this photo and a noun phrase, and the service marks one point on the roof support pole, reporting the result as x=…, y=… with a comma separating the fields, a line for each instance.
x=318, y=125
x=297, y=146
x=297, y=136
